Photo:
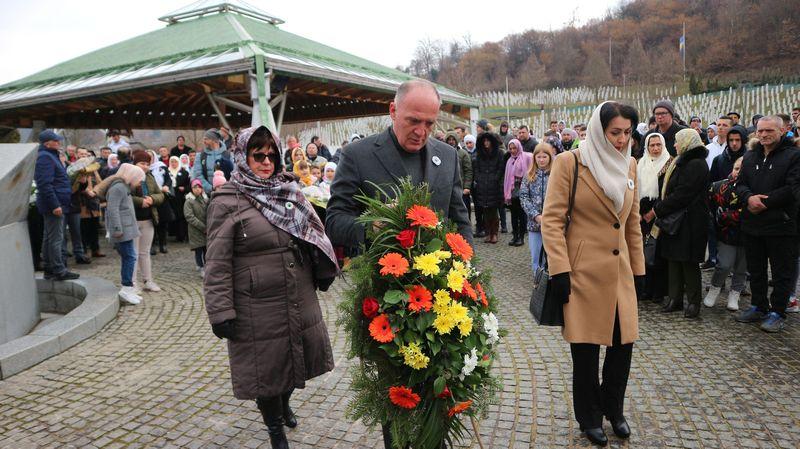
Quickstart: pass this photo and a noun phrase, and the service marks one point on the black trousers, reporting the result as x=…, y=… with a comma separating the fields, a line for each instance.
x=479, y=218
x=655, y=280
x=468, y=204
x=36, y=232
x=518, y=218
x=781, y=254
x=590, y=399
x=502, y=212
x=89, y=230
x=685, y=277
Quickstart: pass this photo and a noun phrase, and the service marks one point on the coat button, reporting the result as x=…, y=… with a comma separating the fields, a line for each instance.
x=616, y=225
x=616, y=252
x=296, y=305
x=291, y=264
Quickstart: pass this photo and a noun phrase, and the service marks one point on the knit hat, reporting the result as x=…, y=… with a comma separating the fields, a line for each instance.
x=140, y=156
x=483, y=123
x=48, y=135
x=666, y=104
x=197, y=182
x=219, y=179
x=213, y=134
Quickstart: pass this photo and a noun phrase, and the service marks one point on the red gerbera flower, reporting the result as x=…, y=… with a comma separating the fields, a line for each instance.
x=468, y=290
x=459, y=246
x=403, y=397
x=419, y=298
x=381, y=329
x=445, y=393
x=482, y=294
x=406, y=238
x=393, y=264
x=422, y=216
x=458, y=408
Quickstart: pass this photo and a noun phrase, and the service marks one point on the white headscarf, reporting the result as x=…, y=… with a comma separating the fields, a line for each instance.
x=608, y=166
x=648, y=169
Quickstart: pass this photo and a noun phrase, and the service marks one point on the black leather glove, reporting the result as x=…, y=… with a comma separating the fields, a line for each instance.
x=638, y=282
x=223, y=330
x=560, y=287
x=324, y=283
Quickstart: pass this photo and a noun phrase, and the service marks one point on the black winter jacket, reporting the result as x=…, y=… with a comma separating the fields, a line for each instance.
x=776, y=175
x=686, y=189
x=488, y=171
x=722, y=165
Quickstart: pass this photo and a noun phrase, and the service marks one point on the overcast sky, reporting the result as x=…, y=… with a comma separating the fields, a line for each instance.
x=37, y=34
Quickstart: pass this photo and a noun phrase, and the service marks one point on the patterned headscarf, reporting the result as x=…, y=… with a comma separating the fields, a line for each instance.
x=278, y=198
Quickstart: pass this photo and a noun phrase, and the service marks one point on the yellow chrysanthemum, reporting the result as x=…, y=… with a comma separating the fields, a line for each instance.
x=441, y=301
x=458, y=311
x=413, y=356
x=455, y=280
x=465, y=327
x=427, y=264
x=444, y=323
x=461, y=268
x=443, y=255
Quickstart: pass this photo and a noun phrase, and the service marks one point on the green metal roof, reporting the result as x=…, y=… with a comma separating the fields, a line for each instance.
x=218, y=33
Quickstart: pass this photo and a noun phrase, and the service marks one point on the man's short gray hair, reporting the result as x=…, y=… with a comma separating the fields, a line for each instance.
x=417, y=83
x=776, y=119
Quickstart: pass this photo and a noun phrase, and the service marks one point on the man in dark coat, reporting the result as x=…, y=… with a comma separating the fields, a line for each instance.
x=722, y=165
x=526, y=139
x=769, y=184
x=53, y=201
x=664, y=112
x=402, y=150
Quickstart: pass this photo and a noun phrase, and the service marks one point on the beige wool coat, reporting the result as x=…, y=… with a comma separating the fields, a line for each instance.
x=602, y=251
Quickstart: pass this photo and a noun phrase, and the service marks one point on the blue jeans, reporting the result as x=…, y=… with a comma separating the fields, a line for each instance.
x=73, y=221
x=535, y=244
x=52, y=258
x=128, y=254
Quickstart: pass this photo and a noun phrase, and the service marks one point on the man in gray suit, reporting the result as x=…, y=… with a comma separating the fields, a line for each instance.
x=400, y=151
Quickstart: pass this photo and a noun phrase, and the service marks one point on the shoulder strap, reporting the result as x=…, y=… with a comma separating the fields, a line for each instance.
x=572, y=193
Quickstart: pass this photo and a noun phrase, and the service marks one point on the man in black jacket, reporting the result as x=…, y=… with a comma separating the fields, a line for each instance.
x=769, y=183
x=722, y=165
x=664, y=112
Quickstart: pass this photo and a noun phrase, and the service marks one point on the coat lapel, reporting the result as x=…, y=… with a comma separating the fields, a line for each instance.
x=386, y=153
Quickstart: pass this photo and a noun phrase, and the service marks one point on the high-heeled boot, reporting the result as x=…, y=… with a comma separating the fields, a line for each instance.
x=271, y=409
x=289, y=419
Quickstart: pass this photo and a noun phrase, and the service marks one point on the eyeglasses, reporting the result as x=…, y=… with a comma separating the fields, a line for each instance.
x=661, y=113
x=261, y=157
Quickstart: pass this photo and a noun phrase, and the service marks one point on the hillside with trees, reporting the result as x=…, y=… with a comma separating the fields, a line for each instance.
x=727, y=41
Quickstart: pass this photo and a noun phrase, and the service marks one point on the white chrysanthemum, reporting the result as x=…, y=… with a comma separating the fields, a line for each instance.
x=492, y=327
x=470, y=362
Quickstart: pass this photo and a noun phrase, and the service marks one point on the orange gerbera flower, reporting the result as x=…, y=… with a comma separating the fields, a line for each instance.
x=459, y=246
x=393, y=264
x=381, y=329
x=403, y=397
x=469, y=291
x=458, y=408
x=419, y=298
x=482, y=294
x=422, y=216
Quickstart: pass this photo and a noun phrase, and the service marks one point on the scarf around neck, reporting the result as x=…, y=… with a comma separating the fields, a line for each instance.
x=279, y=199
x=608, y=166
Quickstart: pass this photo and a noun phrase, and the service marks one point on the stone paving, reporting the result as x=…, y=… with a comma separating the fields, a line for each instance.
x=157, y=377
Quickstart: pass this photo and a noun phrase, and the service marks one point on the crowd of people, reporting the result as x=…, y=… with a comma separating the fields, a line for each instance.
x=722, y=197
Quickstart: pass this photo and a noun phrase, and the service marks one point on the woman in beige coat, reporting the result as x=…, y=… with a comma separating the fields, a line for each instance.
x=594, y=265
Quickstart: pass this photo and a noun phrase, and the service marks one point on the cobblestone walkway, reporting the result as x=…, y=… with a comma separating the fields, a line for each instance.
x=157, y=377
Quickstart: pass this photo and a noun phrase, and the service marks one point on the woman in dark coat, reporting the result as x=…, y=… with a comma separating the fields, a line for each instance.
x=650, y=173
x=685, y=193
x=267, y=255
x=488, y=171
x=181, y=186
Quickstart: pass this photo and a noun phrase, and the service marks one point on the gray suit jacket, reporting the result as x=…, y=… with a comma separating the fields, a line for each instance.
x=120, y=216
x=375, y=159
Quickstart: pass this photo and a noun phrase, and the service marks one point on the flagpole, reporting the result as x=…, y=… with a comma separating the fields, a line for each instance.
x=508, y=101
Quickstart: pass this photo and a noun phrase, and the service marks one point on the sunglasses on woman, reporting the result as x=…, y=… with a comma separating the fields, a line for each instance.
x=261, y=157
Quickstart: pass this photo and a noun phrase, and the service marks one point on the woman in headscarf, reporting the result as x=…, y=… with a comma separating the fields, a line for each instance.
x=684, y=196
x=593, y=262
x=181, y=186
x=517, y=167
x=111, y=167
x=650, y=173
x=267, y=255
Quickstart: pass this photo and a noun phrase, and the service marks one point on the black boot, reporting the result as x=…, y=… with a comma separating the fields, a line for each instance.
x=289, y=419
x=692, y=311
x=513, y=241
x=162, y=248
x=672, y=305
x=596, y=436
x=271, y=409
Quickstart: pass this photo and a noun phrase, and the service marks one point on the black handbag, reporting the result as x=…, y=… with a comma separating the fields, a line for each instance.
x=547, y=310
x=671, y=223
x=649, y=250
